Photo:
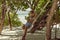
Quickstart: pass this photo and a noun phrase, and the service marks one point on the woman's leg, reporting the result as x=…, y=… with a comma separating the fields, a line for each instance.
x=23, y=27
x=25, y=32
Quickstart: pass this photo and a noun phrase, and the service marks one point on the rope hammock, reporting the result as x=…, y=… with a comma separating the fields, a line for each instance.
x=42, y=10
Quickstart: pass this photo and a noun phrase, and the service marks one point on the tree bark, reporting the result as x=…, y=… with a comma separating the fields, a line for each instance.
x=3, y=15
x=51, y=13
x=9, y=19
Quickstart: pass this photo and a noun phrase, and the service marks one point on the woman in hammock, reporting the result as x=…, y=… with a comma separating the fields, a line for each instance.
x=28, y=24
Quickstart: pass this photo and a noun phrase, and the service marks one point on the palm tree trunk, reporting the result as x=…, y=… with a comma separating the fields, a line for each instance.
x=9, y=21
x=51, y=13
x=3, y=15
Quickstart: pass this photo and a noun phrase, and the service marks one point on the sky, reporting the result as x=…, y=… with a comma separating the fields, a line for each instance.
x=22, y=14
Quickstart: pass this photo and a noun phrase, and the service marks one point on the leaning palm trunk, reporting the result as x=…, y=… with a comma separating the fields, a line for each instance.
x=51, y=13
x=35, y=23
x=39, y=15
x=3, y=15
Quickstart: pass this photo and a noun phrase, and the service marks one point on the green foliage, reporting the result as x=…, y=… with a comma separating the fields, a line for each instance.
x=16, y=23
x=40, y=5
x=18, y=4
x=14, y=20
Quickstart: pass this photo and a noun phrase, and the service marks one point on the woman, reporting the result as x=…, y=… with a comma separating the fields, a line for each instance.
x=29, y=23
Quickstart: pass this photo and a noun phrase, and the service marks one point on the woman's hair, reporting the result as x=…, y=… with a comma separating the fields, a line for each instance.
x=32, y=11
